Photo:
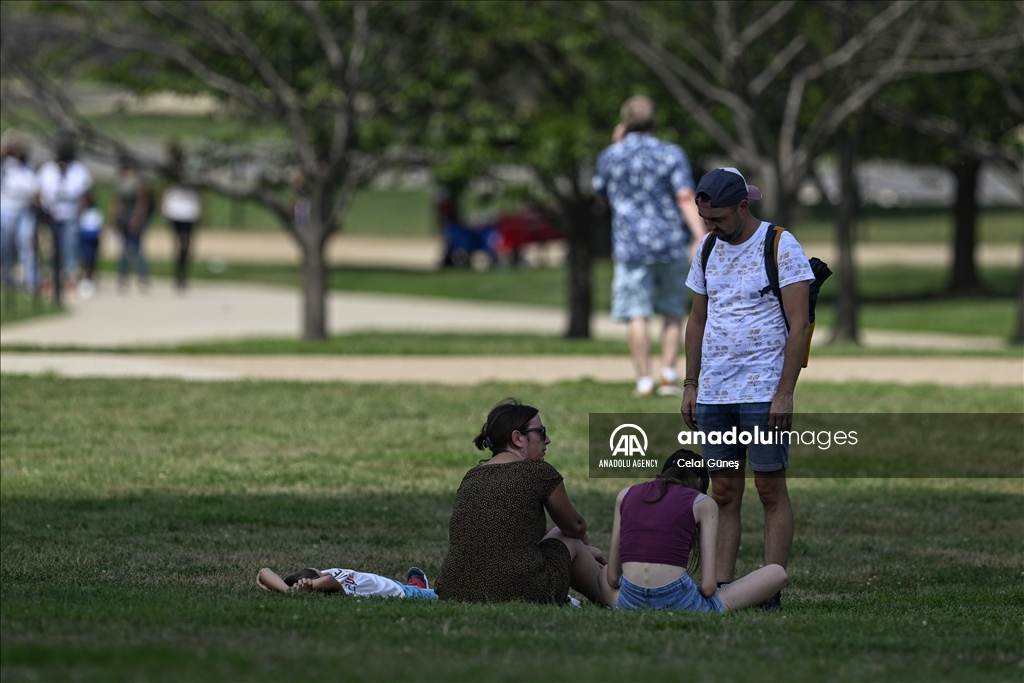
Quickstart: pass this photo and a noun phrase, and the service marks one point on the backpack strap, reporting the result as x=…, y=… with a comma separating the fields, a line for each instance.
x=771, y=266
x=705, y=253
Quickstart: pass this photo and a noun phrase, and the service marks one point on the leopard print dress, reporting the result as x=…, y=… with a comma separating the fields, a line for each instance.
x=496, y=551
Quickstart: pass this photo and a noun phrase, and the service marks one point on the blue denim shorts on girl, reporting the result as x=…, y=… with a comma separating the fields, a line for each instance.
x=681, y=594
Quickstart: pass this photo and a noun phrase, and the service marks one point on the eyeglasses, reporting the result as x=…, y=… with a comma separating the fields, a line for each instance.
x=543, y=431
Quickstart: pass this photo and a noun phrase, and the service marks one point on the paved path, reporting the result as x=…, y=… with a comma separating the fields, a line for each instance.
x=470, y=370
x=217, y=311
x=213, y=311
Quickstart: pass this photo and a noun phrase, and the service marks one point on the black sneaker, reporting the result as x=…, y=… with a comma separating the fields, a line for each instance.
x=773, y=604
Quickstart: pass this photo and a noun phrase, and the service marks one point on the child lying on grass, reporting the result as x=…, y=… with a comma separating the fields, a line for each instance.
x=348, y=581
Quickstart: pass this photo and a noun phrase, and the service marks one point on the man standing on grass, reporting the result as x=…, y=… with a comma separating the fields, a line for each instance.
x=741, y=362
x=649, y=185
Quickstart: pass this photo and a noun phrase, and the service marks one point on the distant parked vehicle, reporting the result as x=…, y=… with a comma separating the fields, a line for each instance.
x=500, y=242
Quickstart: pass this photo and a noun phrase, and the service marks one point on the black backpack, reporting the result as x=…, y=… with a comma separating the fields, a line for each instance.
x=819, y=268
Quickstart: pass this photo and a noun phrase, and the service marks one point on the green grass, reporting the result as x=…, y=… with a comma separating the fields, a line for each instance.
x=958, y=316
x=382, y=213
x=919, y=225
x=135, y=514
x=388, y=212
x=16, y=306
x=464, y=344
x=387, y=344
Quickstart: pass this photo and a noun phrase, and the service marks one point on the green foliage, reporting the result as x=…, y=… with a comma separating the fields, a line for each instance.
x=974, y=105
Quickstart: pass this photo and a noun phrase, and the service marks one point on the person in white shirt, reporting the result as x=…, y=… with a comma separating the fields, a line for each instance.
x=347, y=581
x=19, y=191
x=64, y=186
x=742, y=362
x=182, y=207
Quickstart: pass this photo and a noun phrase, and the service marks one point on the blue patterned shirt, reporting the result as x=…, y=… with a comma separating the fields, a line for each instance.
x=641, y=176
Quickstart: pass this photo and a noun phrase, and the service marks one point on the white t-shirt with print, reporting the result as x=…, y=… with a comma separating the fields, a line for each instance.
x=364, y=584
x=745, y=336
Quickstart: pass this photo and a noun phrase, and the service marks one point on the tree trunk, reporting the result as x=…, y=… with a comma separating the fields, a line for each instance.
x=846, y=328
x=314, y=288
x=579, y=219
x=965, y=271
x=1018, y=335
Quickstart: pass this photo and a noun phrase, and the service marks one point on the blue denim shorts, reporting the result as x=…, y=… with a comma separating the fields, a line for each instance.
x=638, y=291
x=744, y=416
x=681, y=594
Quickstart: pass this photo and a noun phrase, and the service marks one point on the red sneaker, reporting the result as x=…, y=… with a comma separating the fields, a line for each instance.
x=416, y=577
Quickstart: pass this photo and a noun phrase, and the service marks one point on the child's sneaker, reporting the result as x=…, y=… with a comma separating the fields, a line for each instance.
x=416, y=577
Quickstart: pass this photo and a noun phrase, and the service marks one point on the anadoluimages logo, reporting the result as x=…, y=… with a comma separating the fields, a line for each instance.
x=628, y=444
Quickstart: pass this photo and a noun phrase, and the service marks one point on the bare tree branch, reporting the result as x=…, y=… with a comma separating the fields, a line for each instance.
x=758, y=28
x=779, y=62
x=949, y=131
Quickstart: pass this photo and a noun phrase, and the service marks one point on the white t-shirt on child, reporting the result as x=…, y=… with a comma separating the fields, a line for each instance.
x=745, y=336
x=364, y=584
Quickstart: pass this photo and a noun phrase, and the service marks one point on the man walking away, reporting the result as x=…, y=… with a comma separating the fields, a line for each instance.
x=649, y=184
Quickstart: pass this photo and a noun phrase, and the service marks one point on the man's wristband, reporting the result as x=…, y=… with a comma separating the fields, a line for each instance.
x=690, y=382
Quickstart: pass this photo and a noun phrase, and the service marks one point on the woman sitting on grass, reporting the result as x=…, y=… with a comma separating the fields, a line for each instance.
x=664, y=529
x=499, y=547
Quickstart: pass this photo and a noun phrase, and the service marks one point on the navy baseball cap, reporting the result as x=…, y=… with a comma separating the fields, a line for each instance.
x=724, y=187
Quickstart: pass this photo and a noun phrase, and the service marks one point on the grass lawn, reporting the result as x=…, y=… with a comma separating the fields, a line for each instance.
x=464, y=344
x=875, y=224
x=17, y=305
x=136, y=513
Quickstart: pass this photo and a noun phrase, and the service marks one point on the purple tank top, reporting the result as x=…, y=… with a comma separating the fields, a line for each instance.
x=659, y=532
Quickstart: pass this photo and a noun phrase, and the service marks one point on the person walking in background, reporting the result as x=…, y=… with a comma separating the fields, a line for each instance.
x=64, y=185
x=182, y=207
x=131, y=210
x=741, y=362
x=19, y=191
x=649, y=184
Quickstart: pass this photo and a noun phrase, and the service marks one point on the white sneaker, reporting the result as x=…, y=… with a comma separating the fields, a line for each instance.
x=86, y=289
x=667, y=388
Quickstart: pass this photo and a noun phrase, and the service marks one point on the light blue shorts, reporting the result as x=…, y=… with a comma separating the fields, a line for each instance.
x=639, y=291
x=681, y=594
x=417, y=592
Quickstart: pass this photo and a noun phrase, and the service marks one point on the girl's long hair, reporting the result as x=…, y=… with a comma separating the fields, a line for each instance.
x=696, y=478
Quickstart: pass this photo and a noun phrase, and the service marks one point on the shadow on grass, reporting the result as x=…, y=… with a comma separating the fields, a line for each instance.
x=891, y=580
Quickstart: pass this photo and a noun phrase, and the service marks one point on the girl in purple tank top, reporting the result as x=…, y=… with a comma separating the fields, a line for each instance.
x=664, y=531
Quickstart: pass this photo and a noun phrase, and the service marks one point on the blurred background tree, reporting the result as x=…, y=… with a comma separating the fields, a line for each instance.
x=529, y=89
x=778, y=84
x=338, y=91
x=333, y=75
